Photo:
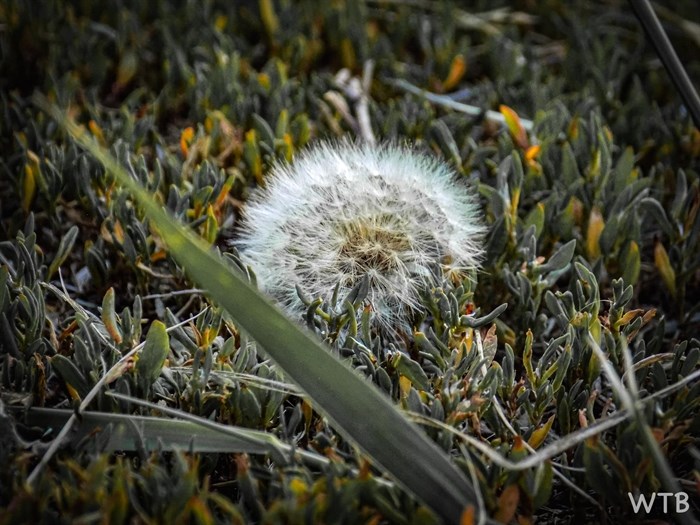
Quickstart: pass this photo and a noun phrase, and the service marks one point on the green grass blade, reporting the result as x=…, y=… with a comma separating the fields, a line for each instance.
x=359, y=410
x=204, y=435
x=155, y=432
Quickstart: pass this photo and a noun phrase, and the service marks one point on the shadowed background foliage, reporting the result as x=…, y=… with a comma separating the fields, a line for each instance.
x=593, y=235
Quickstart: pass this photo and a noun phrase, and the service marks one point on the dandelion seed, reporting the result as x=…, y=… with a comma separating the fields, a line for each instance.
x=342, y=212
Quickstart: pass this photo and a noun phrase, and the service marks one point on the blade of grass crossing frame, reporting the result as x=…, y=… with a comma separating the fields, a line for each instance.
x=171, y=434
x=357, y=408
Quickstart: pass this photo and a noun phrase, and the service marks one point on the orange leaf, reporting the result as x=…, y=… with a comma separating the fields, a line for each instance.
x=73, y=393
x=517, y=131
x=158, y=255
x=457, y=70
x=532, y=153
x=518, y=445
x=648, y=316
x=628, y=317
x=96, y=130
x=185, y=140
x=467, y=517
x=508, y=503
x=228, y=184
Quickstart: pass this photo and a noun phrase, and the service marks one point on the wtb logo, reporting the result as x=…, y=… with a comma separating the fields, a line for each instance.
x=681, y=498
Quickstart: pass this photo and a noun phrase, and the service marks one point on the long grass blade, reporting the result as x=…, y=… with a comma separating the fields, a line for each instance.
x=659, y=39
x=129, y=432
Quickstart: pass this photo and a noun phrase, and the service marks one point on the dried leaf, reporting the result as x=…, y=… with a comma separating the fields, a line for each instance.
x=508, y=503
x=595, y=228
x=663, y=264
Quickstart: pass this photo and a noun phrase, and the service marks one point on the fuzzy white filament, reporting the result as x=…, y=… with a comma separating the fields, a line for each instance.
x=343, y=211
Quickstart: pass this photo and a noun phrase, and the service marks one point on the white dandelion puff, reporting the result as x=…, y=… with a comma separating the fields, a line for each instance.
x=343, y=212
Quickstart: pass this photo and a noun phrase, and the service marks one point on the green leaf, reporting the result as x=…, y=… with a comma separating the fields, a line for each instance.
x=663, y=264
x=154, y=353
x=623, y=170
x=542, y=484
x=412, y=370
x=446, y=142
x=681, y=192
x=562, y=366
x=427, y=346
x=597, y=475
x=109, y=316
x=527, y=360
x=73, y=378
x=64, y=249
x=535, y=218
x=569, y=167
x=263, y=129
x=476, y=322
x=560, y=259
x=631, y=262
x=657, y=212
x=587, y=277
x=4, y=292
x=691, y=360
x=609, y=235
x=355, y=407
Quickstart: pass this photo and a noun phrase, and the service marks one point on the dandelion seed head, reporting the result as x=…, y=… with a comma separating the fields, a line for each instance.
x=342, y=212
